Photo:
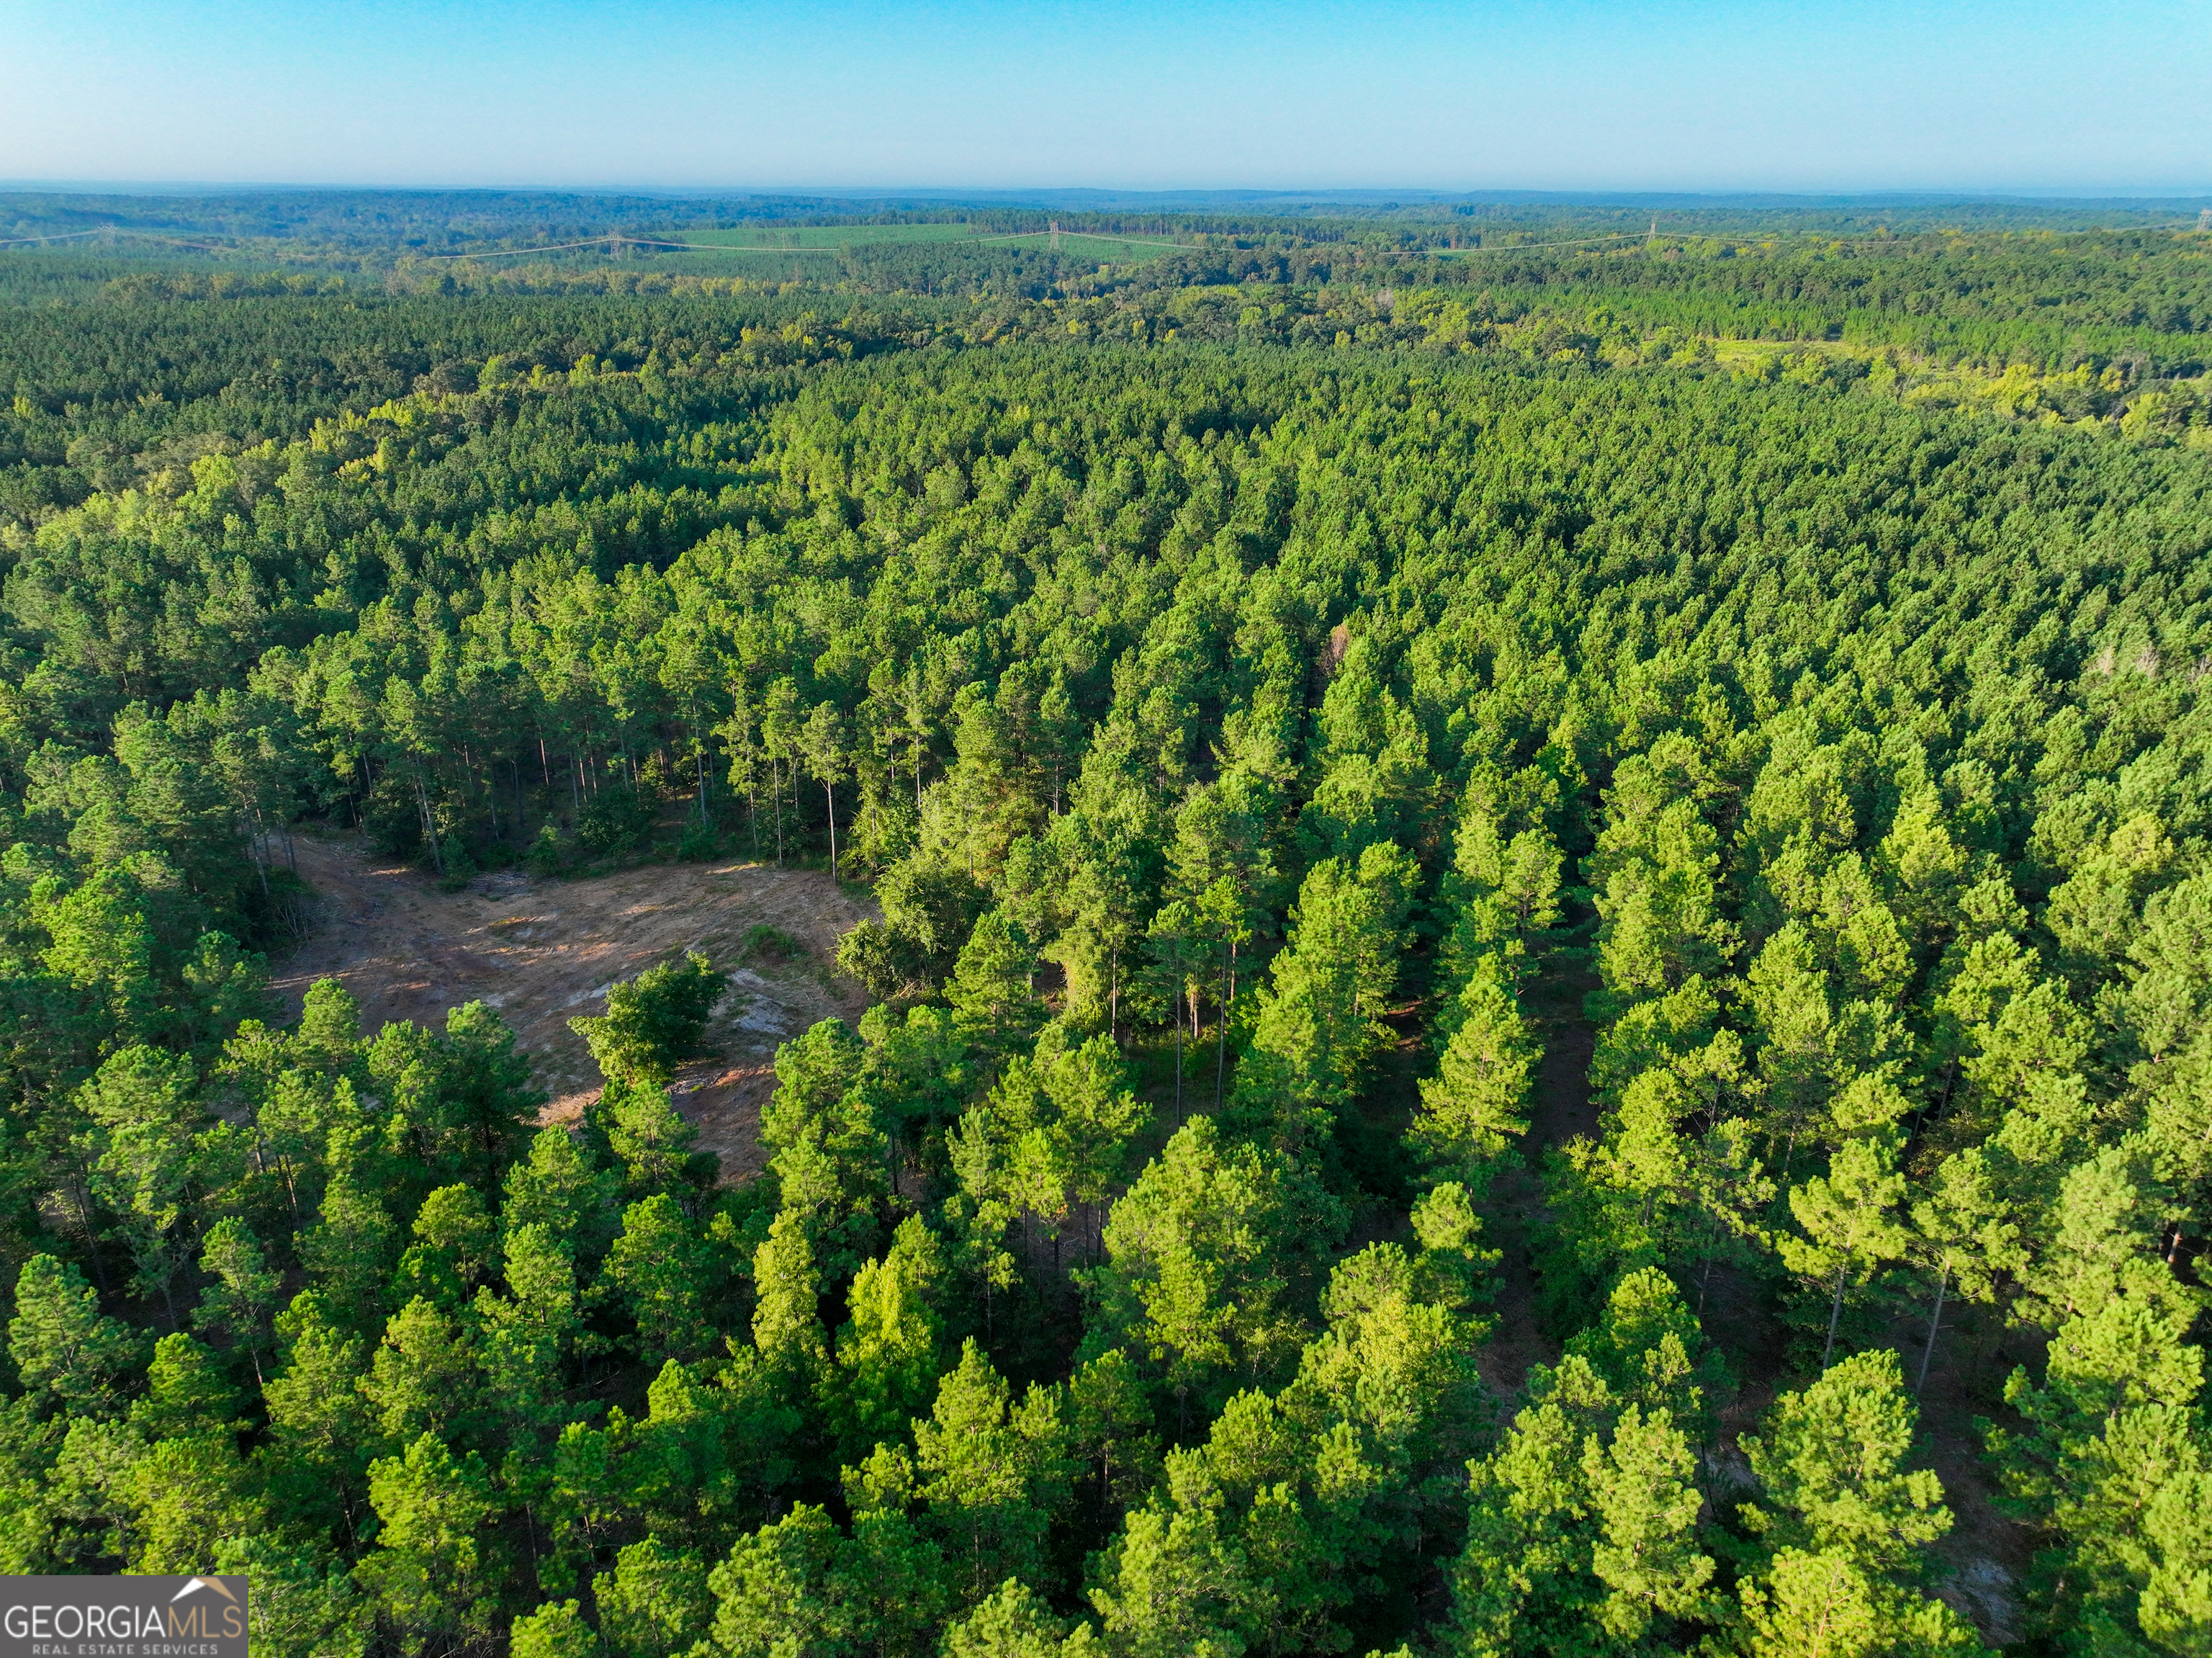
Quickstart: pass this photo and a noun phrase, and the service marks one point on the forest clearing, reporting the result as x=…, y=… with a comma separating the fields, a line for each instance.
x=544, y=952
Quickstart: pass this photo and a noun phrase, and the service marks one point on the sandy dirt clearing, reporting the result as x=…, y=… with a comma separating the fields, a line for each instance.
x=543, y=952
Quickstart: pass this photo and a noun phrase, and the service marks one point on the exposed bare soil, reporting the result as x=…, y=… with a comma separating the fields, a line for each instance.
x=543, y=952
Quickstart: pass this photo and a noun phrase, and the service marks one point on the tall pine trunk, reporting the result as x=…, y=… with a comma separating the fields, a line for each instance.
x=1936, y=1323
x=1221, y=1035
x=1835, y=1312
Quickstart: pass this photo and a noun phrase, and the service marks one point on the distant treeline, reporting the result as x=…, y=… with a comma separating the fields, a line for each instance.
x=113, y=370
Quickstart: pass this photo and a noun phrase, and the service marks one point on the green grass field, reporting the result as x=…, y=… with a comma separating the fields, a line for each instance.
x=1118, y=250
x=830, y=237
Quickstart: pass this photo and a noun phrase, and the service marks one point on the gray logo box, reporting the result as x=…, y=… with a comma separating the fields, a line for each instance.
x=122, y=1618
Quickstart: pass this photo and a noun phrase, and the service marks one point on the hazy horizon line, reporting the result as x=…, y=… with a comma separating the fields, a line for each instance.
x=953, y=192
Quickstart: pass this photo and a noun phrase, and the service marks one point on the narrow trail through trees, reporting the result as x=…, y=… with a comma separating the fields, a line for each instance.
x=1560, y=1110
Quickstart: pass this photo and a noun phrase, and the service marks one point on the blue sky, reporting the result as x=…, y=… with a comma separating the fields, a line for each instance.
x=1631, y=95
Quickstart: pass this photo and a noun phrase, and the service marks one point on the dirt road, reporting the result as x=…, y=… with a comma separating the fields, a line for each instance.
x=543, y=952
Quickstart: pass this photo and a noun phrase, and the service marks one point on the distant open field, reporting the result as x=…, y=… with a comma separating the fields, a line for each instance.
x=827, y=240
x=832, y=236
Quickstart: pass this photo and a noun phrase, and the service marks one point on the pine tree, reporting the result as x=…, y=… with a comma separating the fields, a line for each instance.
x=650, y=1139
x=1196, y=1279
x=1654, y=873
x=659, y=1269
x=787, y=1321
x=241, y=1296
x=1961, y=1232
x=2105, y=1219
x=772, y=1597
x=349, y=1251
x=557, y=1186
x=2111, y=1458
x=328, y=1036
x=68, y=1353
x=1505, y=889
x=827, y=744
x=1169, y=1584
x=830, y=1157
x=186, y=1393
x=433, y=1573
x=556, y=1630
x=1095, y=1119
x=155, y=1167
x=1832, y=1464
x=1181, y=955
x=1318, y=1022
x=979, y=1213
x=1109, y=1422
x=320, y=1422
x=304, y=1604
x=1475, y=1106
x=527, y=1333
x=465, y=1092
x=423, y=1378
x=456, y=1248
x=992, y=1472
x=188, y=1487
x=1523, y=1584
x=653, y=1601
x=1014, y=1621
x=1640, y=1492
x=1823, y=1605
x=653, y=1022
x=890, y=1352
x=991, y=992
x=1647, y=1348
x=1850, y=1226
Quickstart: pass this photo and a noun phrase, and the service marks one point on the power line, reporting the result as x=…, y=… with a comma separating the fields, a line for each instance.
x=1058, y=231
x=740, y=247
x=112, y=231
x=626, y=241
x=506, y=253
x=1649, y=237
x=173, y=242
x=1524, y=246
x=722, y=246
x=65, y=236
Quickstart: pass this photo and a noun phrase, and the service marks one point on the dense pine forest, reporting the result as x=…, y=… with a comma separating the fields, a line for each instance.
x=1543, y=981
